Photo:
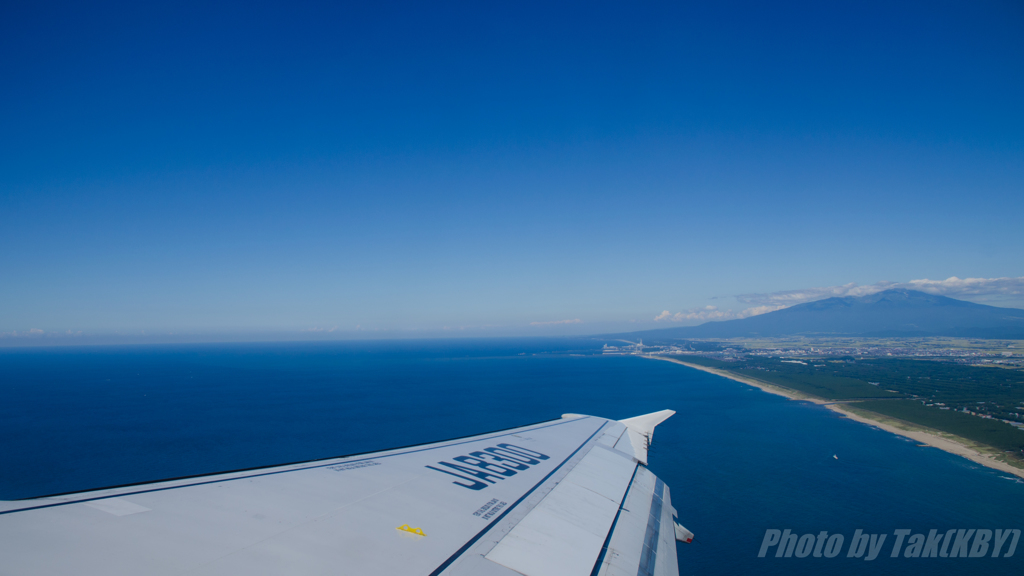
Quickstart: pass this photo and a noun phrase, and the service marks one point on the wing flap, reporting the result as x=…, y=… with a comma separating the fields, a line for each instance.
x=642, y=542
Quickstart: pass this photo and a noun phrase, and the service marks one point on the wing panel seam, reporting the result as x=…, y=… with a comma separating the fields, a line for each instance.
x=480, y=534
x=608, y=538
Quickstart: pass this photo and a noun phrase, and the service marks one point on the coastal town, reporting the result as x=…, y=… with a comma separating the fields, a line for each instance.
x=1005, y=353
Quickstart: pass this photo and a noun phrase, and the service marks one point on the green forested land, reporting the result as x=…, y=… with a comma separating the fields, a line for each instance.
x=820, y=384
x=986, y=431
x=987, y=390
x=996, y=392
x=709, y=362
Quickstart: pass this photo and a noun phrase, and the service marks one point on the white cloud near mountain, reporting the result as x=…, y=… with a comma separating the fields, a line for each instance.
x=709, y=313
x=953, y=287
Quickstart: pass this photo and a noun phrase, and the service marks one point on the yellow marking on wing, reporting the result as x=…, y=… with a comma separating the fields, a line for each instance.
x=406, y=528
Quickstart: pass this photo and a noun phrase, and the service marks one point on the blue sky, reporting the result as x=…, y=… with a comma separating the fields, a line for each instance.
x=514, y=169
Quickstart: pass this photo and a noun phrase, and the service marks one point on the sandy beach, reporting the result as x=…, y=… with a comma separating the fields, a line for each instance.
x=953, y=444
x=771, y=389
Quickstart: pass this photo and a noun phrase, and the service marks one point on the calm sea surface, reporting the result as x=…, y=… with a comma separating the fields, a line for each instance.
x=739, y=461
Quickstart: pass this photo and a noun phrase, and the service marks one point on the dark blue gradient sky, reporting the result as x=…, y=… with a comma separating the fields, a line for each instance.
x=405, y=168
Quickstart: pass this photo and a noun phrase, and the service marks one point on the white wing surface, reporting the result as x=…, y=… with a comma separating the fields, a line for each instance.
x=567, y=497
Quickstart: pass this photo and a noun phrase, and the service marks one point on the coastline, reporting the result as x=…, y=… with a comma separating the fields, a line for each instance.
x=769, y=388
x=946, y=442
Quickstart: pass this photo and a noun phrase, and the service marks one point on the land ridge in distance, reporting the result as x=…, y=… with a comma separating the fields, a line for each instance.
x=886, y=314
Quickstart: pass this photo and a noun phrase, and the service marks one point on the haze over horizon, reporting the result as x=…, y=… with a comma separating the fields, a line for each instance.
x=526, y=169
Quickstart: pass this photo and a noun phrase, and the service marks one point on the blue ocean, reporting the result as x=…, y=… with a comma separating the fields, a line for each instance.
x=739, y=461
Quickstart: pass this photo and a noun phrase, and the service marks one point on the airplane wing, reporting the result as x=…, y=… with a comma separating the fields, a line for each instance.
x=560, y=498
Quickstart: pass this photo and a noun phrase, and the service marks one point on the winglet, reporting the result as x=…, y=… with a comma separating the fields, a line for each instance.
x=641, y=431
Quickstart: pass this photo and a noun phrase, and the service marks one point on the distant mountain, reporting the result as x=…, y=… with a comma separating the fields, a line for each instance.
x=892, y=313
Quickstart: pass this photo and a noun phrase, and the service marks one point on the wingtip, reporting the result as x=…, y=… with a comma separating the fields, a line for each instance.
x=641, y=431
x=647, y=422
